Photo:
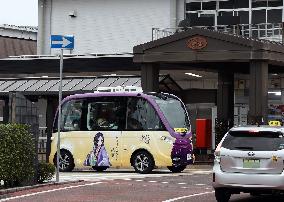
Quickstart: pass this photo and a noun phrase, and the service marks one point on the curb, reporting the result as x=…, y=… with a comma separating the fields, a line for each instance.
x=16, y=189
x=203, y=163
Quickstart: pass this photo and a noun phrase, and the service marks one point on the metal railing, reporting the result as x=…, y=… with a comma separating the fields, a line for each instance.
x=270, y=31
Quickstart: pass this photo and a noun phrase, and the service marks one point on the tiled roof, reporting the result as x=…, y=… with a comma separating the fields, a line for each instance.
x=70, y=85
x=21, y=28
x=15, y=46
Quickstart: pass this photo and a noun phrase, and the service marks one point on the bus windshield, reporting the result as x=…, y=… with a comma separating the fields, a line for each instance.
x=173, y=110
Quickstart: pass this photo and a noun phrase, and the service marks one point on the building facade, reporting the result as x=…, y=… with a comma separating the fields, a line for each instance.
x=105, y=26
x=255, y=18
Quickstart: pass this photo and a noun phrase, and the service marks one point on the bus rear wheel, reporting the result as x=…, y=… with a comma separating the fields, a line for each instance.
x=177, y=169
x=100, y=168
x=143, y=162
x=66, y=161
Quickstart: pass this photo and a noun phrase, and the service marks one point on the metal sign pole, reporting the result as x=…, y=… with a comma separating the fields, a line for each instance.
x=59, y=117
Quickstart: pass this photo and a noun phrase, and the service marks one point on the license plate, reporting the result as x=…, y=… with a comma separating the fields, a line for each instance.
x=188, y=157
x=251, y=163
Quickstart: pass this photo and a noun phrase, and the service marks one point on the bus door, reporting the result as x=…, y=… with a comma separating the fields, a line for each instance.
x=105, y=121
x=143, y=130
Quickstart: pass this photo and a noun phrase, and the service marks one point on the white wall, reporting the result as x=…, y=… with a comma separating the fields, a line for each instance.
x=104, y=26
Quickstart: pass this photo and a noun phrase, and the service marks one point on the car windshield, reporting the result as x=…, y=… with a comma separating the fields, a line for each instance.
x=173, y=110
x=254, y=141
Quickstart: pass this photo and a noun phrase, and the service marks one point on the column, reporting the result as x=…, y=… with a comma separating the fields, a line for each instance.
x=150, y=77
x=50, y=113
x=225, y=97
x=258, y=88
x=6, y=111
x=225, y=104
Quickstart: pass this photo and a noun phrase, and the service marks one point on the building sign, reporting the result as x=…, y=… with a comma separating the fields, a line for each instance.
x=197, y=43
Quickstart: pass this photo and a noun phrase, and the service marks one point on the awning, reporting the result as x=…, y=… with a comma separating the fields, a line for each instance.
x=71, y=85
x=32, y=64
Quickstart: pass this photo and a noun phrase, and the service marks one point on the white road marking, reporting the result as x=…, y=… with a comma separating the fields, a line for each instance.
x=184, y=187
x=189, y=196
x=127, y=179
x=182, y=183
x=165, y=182
x=200, y=184
x=152, y=181
x=48, y=191
x=94, y=176
x=139, y=180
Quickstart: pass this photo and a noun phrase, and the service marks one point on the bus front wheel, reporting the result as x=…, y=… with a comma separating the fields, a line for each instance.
x=143, y=162
x=177, y=169
x=66, y=161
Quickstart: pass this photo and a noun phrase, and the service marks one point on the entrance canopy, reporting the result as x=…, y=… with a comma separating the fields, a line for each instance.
x=203, y=48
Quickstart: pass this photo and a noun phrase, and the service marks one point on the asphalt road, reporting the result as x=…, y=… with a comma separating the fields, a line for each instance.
x=128, y=186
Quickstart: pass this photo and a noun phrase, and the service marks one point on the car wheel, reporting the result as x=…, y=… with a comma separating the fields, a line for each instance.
x=100, y=168
x=177, y=169
x=66, y=161
x=222, y=195
x=143, y=162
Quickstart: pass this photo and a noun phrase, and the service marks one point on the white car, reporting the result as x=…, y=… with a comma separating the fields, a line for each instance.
x=249, y=159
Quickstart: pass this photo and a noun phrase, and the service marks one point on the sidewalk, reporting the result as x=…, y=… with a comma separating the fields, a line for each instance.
x=4, y=192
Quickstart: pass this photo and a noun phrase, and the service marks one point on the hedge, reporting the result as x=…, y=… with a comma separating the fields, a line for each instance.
x=45, y=172
x=17, y=155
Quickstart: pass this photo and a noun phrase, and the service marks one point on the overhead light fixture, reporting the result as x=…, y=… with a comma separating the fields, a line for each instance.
x=278, y=93
x=195, y=75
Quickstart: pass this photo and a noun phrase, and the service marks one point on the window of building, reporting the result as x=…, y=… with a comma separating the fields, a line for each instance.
x=211, y=5
x=226, y=4
x=193, y=6
x=226, y=13
x=275, y=3
x=72, y=115
x=106, y=114
x=142, y=116
x=258, y=3
x=274, y=16
x=266, y=3
x=244, y=17
x=192, y=16
x=241, y=4
x=258, y=16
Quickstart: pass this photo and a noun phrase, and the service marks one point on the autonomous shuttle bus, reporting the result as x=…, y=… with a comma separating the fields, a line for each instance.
x=123, y=129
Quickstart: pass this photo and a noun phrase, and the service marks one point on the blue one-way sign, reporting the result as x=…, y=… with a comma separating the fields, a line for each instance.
x=61, y=41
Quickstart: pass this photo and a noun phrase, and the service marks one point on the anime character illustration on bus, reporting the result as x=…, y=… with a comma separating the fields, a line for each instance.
x=98, y=156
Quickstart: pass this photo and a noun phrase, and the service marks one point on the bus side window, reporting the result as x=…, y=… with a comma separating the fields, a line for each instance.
x=71, y=116
x=142, y=116
x=105, y=114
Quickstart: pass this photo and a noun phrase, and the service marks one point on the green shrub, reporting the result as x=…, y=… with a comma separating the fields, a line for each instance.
x=45, y=172
x=17, y=154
